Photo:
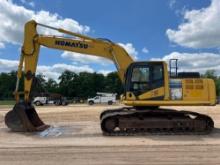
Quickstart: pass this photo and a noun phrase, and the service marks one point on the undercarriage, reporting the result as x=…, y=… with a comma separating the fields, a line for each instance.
x=129, y=121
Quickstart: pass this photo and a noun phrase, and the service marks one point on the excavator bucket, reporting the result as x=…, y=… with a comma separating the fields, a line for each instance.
x=24, y=118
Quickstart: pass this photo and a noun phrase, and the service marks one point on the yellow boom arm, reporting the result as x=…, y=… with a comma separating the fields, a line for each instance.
x=79, y=43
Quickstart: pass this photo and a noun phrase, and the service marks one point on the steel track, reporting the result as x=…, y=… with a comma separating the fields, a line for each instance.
x=130, y=122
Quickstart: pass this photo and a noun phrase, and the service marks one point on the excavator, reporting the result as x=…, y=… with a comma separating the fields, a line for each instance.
x=147, y=86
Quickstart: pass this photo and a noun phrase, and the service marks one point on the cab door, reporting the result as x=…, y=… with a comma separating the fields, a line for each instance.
x=145, y=80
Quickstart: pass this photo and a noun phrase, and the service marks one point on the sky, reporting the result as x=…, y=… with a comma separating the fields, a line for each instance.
x=149, y=30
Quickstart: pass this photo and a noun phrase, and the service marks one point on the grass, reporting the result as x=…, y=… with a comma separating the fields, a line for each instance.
x=7, y=102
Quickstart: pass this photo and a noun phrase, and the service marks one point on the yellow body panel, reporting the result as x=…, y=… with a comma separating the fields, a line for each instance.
x=165, y=103
x=194, y=91
x=199, y=89
x=212, y=92
x=152, y=94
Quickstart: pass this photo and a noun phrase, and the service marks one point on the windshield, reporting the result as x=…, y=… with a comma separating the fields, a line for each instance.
x=140, y=74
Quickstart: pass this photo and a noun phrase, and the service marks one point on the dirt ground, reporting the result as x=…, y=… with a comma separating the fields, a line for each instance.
x=75, y=137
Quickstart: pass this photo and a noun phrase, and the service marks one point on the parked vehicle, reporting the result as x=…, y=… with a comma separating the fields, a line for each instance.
x=50, y=101
x=101, y=97
x=40, y=101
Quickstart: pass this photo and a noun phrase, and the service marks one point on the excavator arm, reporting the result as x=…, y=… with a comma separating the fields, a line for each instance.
x=78, y=43
x=24, y=117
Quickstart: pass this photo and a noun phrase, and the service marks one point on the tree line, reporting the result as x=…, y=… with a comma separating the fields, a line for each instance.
x=71, y=84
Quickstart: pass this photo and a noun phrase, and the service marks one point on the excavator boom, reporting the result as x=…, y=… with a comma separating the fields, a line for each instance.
x=24, y=117
x=78, y=43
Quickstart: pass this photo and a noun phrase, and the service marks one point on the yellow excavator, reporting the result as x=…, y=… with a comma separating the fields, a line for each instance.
x=147, y=85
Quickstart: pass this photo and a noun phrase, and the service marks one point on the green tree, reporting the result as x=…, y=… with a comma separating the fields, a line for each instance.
x=52, y=86
x=113, y=83
x=67, y=83
x=7, y=85
x=210, y=74
x=85, y=85
x=217, y=84
x=70, y=84
x=98, y=83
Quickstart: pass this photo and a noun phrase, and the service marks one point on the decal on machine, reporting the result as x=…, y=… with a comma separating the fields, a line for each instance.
x=72, y=44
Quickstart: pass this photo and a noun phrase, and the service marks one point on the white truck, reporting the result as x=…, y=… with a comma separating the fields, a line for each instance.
x=40, y=101
x=49, y=101
x=101, y=97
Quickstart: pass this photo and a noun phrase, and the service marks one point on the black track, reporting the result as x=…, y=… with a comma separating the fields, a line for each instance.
x=129, y=121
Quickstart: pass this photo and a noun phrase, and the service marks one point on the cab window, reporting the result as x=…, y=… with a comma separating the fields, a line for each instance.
x=140, y=74
x=97, y=97
x=145, y=78
x=157, y=72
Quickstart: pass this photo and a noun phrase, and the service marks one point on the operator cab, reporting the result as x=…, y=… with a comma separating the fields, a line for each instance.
x=144, y=76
